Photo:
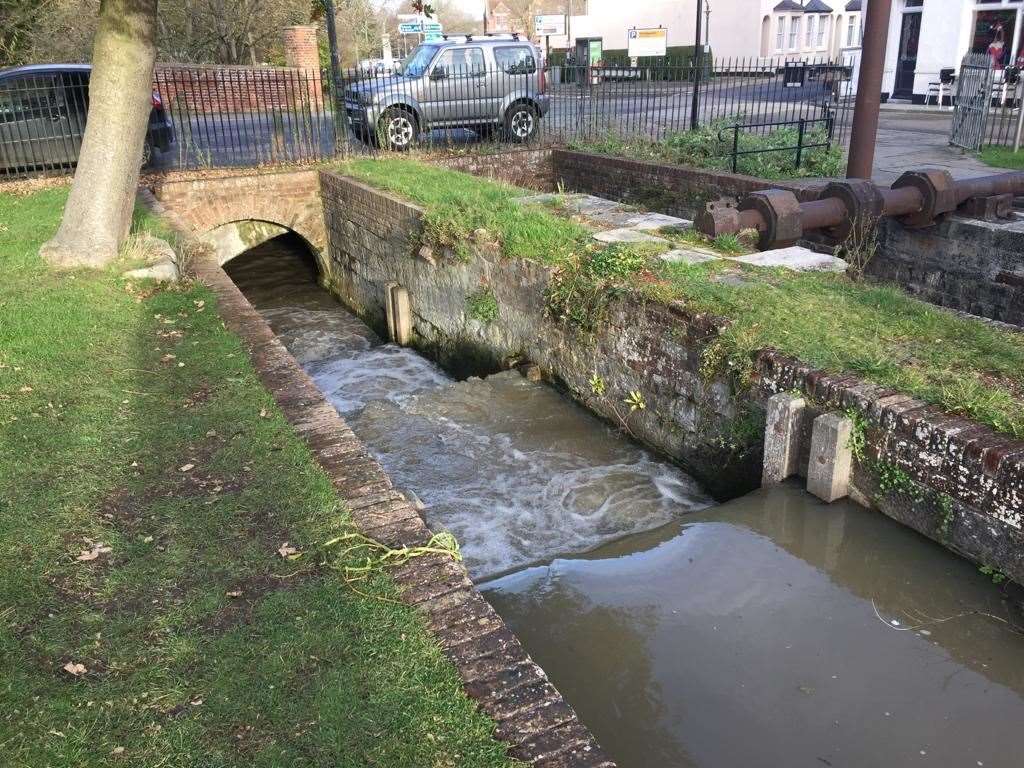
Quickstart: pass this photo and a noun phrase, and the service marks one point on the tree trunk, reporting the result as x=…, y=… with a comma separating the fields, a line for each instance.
x=98, y=213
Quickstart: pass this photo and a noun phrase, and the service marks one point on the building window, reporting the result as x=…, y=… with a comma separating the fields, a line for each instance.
x=780, y=34
x=794, y=31
x=822, y=23
x=851, y=32
x=809, y=37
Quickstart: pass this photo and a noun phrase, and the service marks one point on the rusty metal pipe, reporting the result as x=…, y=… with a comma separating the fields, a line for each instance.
x=917, y=197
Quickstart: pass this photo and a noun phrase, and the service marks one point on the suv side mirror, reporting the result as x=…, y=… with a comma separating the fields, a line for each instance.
x=438, y=73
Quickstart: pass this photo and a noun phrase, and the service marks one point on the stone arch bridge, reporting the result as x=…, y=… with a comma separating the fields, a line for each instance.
x=235, y=212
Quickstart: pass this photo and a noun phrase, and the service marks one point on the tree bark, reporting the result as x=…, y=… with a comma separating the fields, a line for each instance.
x=98, y=213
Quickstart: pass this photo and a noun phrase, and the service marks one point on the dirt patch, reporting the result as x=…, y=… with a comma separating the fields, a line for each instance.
x=243, y=597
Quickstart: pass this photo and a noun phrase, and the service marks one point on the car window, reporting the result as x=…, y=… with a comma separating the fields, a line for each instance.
x=416, y=63
x=515, y=60
x=460, y=62
x=30, y=97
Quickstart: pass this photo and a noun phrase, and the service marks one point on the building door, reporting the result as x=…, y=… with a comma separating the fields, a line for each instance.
x=906, y=62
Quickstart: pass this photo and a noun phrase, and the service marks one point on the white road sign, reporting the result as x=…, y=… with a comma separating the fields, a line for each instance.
x=410, y=28
x=648, y=42
x=550, y=24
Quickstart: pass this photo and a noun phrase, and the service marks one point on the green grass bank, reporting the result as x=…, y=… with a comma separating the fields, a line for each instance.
x=147, y=482
x=830, y=321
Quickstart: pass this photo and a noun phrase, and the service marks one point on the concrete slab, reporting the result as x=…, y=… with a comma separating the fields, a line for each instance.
x=544, y=199
x=627, y=235
x=648, y=221
x=683, y=256
x=797, y=258
x=589, y=205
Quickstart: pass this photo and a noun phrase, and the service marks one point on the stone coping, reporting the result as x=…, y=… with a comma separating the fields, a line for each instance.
x=530, y=715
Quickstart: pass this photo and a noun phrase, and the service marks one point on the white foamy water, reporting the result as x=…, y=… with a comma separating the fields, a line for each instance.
x=517, y=472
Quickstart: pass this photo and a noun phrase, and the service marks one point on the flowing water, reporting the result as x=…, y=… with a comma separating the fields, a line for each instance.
x=772, y=630
x=515, y=471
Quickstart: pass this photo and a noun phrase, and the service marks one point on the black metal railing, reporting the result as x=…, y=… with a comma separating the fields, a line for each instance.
x=800, y=147
x=248, y=116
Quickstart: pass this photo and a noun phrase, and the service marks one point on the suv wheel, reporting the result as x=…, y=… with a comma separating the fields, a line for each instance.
x=521, y=122
x=397, y=129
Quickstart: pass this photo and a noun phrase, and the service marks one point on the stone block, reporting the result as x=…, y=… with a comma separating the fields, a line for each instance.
x=831, y=459
x=627, y=235
x=797, y=258
x=686, y=256
x=783, y=417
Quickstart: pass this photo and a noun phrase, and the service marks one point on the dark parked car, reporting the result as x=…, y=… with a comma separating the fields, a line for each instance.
x=42, y=117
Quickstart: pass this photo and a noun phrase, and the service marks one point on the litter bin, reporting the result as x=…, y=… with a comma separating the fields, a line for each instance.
x=794, y=74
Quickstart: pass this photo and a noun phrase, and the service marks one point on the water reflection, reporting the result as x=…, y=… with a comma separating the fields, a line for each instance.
x=767, y=631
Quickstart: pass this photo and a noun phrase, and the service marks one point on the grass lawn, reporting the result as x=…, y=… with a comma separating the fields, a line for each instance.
x=879, y=332
x=1003, y=157
x=147, y=481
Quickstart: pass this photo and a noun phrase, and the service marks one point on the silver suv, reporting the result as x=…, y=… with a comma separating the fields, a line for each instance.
x=491, y=84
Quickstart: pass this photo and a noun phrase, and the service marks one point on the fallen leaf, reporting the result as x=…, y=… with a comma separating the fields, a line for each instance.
x=286, y=550
x=187, y=467
x=99, y=548
x=25, y=389
x=117, y=751
x=74, y=668
x=263, y=413
x=234, y=593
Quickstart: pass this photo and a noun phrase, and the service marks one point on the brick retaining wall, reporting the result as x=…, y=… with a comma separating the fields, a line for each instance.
x=973, y=266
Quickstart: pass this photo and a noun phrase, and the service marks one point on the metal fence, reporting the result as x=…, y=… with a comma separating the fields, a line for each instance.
x=987, y=104
x=250, y=116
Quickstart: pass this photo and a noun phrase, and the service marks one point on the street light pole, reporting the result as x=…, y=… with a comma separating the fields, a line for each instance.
x=869, y=89
x=337, y=97
x=698, y=54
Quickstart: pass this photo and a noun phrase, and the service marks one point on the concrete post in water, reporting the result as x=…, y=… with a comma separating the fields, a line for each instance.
x=781, y=437
x=399, y=313
x=828, y=471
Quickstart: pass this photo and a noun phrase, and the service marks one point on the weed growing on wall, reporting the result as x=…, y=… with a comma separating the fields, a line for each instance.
x=997, y=576
x=582, y=289
x=482, y=305
x=860, y=246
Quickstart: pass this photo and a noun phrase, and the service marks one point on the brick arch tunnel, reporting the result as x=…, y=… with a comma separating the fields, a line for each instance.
x=236, y=213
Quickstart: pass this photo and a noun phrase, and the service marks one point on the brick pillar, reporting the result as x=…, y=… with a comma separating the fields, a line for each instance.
x=302, y=52
x=300, y=48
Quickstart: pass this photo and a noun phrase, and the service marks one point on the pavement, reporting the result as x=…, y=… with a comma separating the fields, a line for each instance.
x=910, y=138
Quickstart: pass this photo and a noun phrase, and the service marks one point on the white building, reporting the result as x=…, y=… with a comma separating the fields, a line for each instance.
x=926, y=36
x=777, y=28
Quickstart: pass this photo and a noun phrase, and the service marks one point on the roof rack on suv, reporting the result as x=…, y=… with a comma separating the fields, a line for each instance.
x=467, y=38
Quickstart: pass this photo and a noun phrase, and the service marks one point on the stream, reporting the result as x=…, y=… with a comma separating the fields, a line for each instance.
x=770, y=630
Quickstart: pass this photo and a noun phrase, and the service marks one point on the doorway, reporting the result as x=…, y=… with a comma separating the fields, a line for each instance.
x=906, y=61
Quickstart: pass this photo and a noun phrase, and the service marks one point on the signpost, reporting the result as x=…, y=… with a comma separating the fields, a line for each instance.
x=647, y=42
x=546, y=25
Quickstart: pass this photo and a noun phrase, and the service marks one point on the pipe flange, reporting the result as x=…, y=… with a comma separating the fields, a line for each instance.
x=781, y=213
x=718, y=217
x=863, y=202
x=938, y=195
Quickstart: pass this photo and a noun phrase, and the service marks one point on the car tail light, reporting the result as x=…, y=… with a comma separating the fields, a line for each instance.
x=156, y=100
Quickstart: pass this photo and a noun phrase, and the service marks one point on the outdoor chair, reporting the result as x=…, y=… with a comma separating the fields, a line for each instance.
x=941, y=87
